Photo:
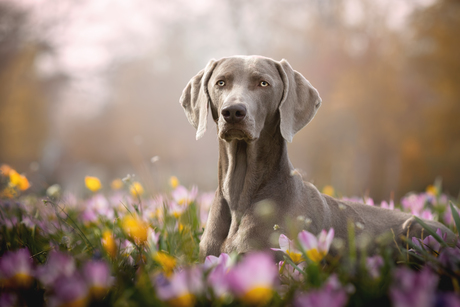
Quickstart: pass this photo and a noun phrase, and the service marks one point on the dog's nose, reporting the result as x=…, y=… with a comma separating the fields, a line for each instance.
x=234, y=114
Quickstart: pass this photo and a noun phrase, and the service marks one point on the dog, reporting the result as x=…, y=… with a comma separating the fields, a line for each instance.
x=258, y=104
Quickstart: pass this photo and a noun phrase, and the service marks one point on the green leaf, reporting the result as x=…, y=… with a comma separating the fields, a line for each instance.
x=430, y=231
x=455, y=215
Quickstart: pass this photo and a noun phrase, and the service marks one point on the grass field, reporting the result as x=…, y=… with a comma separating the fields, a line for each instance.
x=123, y=247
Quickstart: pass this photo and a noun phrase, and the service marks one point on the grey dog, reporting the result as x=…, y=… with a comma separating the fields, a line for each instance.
x=258, y=105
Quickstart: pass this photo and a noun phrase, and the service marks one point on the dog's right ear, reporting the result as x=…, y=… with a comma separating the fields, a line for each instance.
x=195, y=99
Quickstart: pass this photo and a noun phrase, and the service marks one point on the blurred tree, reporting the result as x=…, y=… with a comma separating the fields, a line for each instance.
x=434, y=60
x=23, y=109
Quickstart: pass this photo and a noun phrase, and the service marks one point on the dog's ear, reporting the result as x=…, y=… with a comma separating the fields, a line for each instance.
x=299, y=103
x=195, y=99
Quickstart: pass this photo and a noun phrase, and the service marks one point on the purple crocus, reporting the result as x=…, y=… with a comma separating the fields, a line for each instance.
x=410, y=288
x=253, y=279
x=331, y=294
x=288, y=272
x=8, y=299
x=58, y=265
x=69, y=291
x=449, y=257
x=217, y=277
x=430, y=244
x=98, y=278
x=316, y=248
x=183, y=197
x=414, y=203
x=373, y=265
x=16, y=269
x=288, y=248
x=386, y=205
x=181, y=288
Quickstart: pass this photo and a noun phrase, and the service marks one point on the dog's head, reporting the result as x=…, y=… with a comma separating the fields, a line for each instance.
x=244, y=93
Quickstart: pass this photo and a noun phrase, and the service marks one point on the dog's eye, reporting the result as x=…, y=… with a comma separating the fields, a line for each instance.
x=221, y=83
x=264, y=83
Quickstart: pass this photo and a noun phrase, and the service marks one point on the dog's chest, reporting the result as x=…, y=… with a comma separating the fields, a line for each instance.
x=249, y=234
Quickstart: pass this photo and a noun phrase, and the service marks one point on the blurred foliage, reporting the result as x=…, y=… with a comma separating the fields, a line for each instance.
x=120, y=249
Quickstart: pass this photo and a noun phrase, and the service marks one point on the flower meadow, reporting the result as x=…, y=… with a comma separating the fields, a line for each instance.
x=123, y=247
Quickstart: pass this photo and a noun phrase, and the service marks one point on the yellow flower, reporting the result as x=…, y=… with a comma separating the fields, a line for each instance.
x=5, y=170
x=17, y=180
x=116, y=184
x=93, y=183
x=316, y=255
x=185, y=300
x=432, y=190
x=136, y=189
x=257, y=296
x=135, y=228
x=329, y=190
x=295, y=257
x=167, y=262
x=174, y=182
x=109, y=244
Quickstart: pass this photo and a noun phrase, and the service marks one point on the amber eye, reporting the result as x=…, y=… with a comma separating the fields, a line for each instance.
x=221, y=83
x=264, y=83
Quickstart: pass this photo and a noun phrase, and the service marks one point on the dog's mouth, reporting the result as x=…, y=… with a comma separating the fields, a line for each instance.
x=236, y=134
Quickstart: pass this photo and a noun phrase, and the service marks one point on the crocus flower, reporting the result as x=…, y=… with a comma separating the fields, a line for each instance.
x=175, y=209
x=58, y=265
x=97, y=277
x=430, y=244
x=288, y=272
x=287, y=247
x=316, y=248
x=449, y=257
x=93, y=183
x=181, y=289
x=205, y=201
x=16, y=269
x=153, y=239
x=8, y=299
x=410, y=288
x=217, y=280
x=135, y=228
x=253, y=279
x=414, y=203
x=386, y=205
x=184, y=197
x=373, y=265
x=213, y=261
x=331, y=294
x=70, y=291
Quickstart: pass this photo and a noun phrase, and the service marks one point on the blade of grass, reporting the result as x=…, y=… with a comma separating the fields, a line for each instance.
x=430, y=231
x=293, y=264
x=455, y=216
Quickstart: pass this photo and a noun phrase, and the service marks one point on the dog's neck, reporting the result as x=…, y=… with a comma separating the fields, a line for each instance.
x=247, y=168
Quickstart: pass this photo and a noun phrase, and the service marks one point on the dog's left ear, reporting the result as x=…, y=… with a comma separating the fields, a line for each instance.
x=195, y=99
x=299, y=103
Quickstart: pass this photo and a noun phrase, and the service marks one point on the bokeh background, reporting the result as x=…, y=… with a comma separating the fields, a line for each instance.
x=92, y=87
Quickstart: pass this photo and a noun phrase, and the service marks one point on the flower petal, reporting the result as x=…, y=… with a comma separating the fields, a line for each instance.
x=307, y=240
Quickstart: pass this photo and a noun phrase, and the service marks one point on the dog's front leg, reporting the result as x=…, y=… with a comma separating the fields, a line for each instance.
x=217, y=227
